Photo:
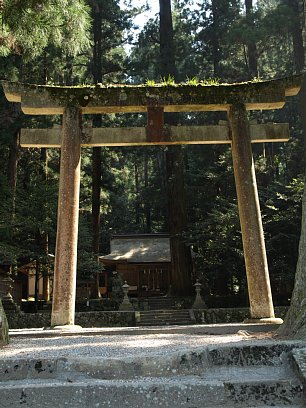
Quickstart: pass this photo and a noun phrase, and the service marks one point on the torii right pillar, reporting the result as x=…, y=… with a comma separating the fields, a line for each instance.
x=259, y=288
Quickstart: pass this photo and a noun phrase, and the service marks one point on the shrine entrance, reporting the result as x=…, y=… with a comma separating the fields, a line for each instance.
x=143, y=260
x=73, y=102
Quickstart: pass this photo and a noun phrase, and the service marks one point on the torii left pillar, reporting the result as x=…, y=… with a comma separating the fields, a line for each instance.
x=64, y=285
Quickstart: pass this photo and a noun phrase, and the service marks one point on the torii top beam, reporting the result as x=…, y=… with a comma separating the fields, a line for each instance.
x=97, y=99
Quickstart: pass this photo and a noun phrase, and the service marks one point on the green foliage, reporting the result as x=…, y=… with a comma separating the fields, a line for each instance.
x=150, y=82
x=169, y=81
x=192, y=81
x=204, y=82
x=27, y=27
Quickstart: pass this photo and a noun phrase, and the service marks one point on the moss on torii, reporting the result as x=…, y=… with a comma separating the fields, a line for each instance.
x=202, y=96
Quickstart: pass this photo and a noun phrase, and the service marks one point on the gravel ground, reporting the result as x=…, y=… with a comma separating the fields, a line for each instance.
x=116, y=346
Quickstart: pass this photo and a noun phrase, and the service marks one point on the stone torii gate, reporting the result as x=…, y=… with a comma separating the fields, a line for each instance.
x=236, y=100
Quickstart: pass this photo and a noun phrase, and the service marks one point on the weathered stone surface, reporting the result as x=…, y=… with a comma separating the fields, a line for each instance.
x=4, y=328
x=177, y=98
x=241, y=375
x=259, y=288
x=299, y=356
x=64, y=284
x=134, y=136
x=125, y=319
x=259, y=354
x=84, y=319
x=230, y=315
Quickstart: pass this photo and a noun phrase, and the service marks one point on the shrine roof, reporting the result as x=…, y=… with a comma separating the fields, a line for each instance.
x=151, y=248
x=91, y=99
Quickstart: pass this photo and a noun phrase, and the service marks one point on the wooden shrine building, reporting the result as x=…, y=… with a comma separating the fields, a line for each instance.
x=154, y=100
x=144, y=261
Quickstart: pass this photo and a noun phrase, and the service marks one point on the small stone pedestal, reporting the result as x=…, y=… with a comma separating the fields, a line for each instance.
x=126, y=305
x=199, y=302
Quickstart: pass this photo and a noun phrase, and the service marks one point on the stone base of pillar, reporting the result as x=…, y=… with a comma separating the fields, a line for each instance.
x=67, y=327
x=267, y=320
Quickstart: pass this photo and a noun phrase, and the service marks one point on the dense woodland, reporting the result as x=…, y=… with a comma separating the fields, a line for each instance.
x=131, y=189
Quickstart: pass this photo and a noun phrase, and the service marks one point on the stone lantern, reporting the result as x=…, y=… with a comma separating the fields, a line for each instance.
x=126, y=305
x=198, y=302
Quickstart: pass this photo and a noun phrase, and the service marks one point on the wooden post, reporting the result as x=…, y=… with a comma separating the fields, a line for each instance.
x=46, y=287
x=261, y=304
x=64, y=286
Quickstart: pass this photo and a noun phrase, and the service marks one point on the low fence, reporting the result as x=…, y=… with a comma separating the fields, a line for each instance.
x=127, y=319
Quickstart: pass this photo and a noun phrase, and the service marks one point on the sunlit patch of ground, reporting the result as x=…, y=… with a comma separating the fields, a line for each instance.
x=117, y=345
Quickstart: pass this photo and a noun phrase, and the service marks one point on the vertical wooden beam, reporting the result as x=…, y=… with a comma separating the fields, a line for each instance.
x=261, y=304
x=64, y=286
x=155, y=131
x=46, y=287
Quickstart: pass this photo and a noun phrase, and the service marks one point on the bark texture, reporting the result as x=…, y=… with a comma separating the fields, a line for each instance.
x=216, y=16
x=181, y=257
x=251, y=45
x=12, y=168
x=96, y=151
x=295, y=321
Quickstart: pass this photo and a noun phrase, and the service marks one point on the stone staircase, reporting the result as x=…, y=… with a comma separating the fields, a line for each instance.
x=160, y=303
x=162, y=312
x=258, y=374
x=164, y=317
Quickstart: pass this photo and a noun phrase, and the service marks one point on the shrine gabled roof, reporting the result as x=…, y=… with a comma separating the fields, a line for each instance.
x=38, y=99
x=149, y=248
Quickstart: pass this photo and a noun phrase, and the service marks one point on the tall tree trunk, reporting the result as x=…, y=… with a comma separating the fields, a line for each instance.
x=299, y=58
x=181, y=256
x=96, y=201
x=137, y=190
x=36, y=286
x=44, y=236
x=12, y=168
x=295, y=321
x=147, y=206
x=167, y=52
x=96, y=153
x=215, y=40
x=251, y=45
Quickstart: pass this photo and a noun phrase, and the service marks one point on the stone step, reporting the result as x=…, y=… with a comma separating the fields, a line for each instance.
x=160, y=300
x=159, y=321
x=159, y=303
x=223, y=362
x=129, y=368
x=265, y=353
x=168, y=318
x=165, y=312
x=154, y=392
x=165, y=323
x=230, y=375
x=164, y=317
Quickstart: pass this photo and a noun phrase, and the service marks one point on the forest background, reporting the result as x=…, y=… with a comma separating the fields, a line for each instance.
x=126, y=189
